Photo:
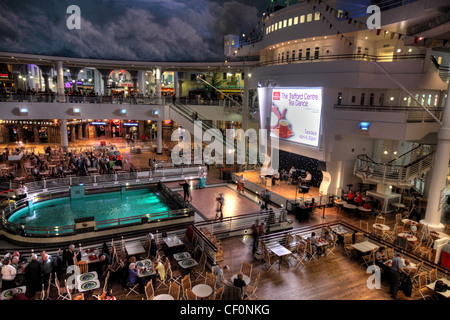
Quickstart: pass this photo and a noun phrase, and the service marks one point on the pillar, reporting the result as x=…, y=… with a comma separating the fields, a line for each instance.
x=158, y=86
x=439, y=173
x=245, y=113
x=36, y=133
x=159, y=137
x=175, y=85
x=64, y=138
x=80, y=131
x=72, y=133
x=60, y=80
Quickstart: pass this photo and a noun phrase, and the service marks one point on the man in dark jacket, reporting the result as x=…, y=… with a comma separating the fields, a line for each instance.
x=186, y=186
x=33, y=275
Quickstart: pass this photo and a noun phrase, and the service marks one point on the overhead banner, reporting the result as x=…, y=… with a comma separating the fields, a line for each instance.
x=296, y=114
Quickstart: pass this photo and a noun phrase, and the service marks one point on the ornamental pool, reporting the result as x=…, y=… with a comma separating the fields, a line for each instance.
x=105, y=206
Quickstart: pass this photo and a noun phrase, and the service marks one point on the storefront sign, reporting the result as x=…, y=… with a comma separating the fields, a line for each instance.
x=131, y=124
x=95, y=123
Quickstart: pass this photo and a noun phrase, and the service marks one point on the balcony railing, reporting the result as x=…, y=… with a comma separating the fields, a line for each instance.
x=342, y=57
x=53, y=98
x=413, y=114
x=387, y=173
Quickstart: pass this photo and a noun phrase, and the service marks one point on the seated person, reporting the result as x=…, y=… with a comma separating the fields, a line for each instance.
x=133, y=277
x=358, y=199
x=220, y=275
x=350, y=196
x=161, y=271
x=307, y=179
x=240, y=283
x=381, y=255
x=275, y=177
x=329, y=237
x=314, y=242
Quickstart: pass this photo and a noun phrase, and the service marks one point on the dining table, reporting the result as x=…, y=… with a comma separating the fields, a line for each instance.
x=7, y=294
x=134, y=247
x=364, y=246
x=187, y=263
x=163, y=296
x=181, y=256
x=244, y=277
x=202, y=290
x=279, y=250
x=445, y=294
x=173, y=241
x=90, y=255
x=408, y=236
x=381, y=226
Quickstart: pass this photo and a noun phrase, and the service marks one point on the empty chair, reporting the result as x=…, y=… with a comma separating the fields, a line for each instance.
x=380, y=220
x=432, y=275
x=364, y=225
x=199, y=270
x=210, y=280
x=251, y=289
x=149, y=291
x=218, y=294
x=190, y=295
x=423, y=290
x=246, y=269
x=82, y=266
x=186, y=284
x=174, y=290
x=359, y=237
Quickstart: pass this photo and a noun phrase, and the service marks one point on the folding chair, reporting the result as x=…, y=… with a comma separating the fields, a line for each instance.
x=190, y=295
x=369, y=259
x=423, y=285
x=246, y=269
x=268, y=257
x=132, y=288
x=218, y=294
x=174, y=290
x=63, y=293
x=251, y=289
x=310, y=252
x=149, y=291
x=186, y=285
x=210, y=280
x=79, y=297
x=200, y=268
x=364, y=225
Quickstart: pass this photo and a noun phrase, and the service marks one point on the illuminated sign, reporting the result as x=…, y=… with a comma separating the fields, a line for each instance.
x=364, y=126
x=296, y=115
x=95, y=123
x=130, y=124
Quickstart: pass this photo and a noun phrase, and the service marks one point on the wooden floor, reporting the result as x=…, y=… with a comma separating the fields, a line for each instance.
x=284, y=189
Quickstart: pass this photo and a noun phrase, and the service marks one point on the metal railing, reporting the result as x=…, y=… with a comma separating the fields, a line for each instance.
x=413, y=114
x=54, y=98
x=342, y=57
x=366, y=168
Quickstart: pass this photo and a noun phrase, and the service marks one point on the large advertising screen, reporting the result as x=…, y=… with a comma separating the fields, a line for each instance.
x=295, y=115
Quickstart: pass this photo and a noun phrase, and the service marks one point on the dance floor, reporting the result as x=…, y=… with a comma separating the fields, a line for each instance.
x=283, y=189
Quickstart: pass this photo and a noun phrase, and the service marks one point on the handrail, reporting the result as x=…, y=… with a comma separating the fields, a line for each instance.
x=339, y=57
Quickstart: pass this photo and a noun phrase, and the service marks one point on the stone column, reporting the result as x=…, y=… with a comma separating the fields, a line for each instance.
x=440, y=173
x=80, y=131
x=60, y=80
x=159, y=137
x=74, y=76
x=105, y=76
x=64, y=138
x=36, y=133
x=175, y=85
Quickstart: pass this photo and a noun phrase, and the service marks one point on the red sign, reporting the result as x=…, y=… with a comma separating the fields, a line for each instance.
x=276, y=96
x=4, y=75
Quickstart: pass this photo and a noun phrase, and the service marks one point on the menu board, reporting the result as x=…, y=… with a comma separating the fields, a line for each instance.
x=296, y=114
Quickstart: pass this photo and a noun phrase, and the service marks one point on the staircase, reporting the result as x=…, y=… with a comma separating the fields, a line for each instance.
x=396, y=173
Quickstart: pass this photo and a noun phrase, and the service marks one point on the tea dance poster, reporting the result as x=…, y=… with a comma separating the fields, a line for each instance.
x=295, y=115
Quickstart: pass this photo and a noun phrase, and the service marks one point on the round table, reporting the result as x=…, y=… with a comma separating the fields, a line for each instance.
x=350, y=206
x=399, y=205
x=361, y=208
x=340, y=203
x=244, y=277
x=411, y=222
x=163, y=296
x=442, y=235
x=408, y=236
x=381, y=226
x=202, y=290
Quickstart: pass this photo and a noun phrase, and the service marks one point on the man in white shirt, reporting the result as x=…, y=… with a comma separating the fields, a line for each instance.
x=8, y=275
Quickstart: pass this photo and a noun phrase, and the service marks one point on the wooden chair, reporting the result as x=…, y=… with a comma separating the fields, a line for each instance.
x=390, y=253
x=398, y=219
x=369, y=259
x=364, y=225
x=171, y=275
x=300, y=254
x=378, y=232
x=174, y=290
x=105, y=287
x=330, y=248
x=162, y=282
x=79, y=297
x=42, y=294
x=218, y=294
x=310, y=253
x=250, y=290
x=246, y=269
x=190, y=295
x=268, y=257
x=186, y=284
x=49, y=285
x=423, y=290
x=348, y=249
x=419, y=270
x=380, y=220
x=210, y=280
x=149, y=291
x=392, y=234
x=64, y=292
x=359, y=237
x=432, y=275
x=199, y=270
x=82, y=267
x=416, y=244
